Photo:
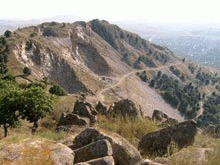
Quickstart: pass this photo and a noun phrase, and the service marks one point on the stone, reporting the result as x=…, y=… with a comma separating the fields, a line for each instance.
x=84, y=109
x=149, y=162
x=123, y=151
x=181, y=135
x=125, y=108
x=36, y=151
x=107, y=160
x=93, y=150
x=100, y=108
x=72, y=119
x=164, y=118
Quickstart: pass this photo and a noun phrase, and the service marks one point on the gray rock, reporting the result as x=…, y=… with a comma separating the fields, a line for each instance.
x=123, y=151
x=125, y=108
x=36, y=151
x=93, y=150
x=84, y=109
x=164, y=118
x=181, y=134
x=107, y=160
x=149, y=162
x=100, y=108
x=72, y=119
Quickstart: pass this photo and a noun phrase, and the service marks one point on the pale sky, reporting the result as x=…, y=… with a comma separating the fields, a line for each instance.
x=168, y=11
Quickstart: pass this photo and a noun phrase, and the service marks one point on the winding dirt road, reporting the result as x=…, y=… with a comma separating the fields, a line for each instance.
x=101, y=93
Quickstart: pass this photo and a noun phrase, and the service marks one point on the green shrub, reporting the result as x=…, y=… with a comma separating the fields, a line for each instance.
x=57, y=90
x=33, y=34
x=27, y=71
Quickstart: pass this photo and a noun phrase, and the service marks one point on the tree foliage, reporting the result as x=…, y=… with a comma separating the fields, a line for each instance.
x=16, y=102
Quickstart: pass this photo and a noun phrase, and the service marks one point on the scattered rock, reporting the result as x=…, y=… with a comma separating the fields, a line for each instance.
x=36, y=151
x=72, y=119
x=107, y=160
x=164, y=118
x=84, y=109
x=123, y=151
x=93, y=150
x=181, y=134
x=100, y=108
x=125, y=108
x=149, y=162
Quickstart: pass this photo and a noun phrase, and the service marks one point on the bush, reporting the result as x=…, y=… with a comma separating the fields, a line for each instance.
x=57, y=90
x=49, y=32
x=27, y=71
x=28, y=46
x=33, y=34
x=7, y=33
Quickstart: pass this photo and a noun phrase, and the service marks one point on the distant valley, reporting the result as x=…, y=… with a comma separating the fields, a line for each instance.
x=197, y=43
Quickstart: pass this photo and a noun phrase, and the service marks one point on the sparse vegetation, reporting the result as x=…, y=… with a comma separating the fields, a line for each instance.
x=130, y=128
x=185, y=98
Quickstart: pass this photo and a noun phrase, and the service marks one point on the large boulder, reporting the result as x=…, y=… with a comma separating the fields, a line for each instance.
x=123, y=151
x=181, y=135
x=125, y=108
x=93, y=150
x=72, y=119
x=107, y=160
x=84, y=109
x=36, y=151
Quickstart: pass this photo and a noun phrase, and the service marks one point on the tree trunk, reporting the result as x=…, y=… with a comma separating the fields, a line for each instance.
x=35, y=126
x=5, y=130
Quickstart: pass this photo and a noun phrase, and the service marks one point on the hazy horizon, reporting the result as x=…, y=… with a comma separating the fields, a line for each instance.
x=157, y=11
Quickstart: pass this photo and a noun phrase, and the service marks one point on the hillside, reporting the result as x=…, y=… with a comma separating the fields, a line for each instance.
x=112, y=80
x=107, y=64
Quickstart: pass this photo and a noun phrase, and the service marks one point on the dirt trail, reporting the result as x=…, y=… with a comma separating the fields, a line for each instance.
x=129, y=86
x=101, y=93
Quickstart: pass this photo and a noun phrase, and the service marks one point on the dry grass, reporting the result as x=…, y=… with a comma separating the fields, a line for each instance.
x=130, y=128
x=63, y=104
x=205, y=150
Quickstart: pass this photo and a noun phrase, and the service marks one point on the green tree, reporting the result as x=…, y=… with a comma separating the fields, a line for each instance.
x=37, y=103
x=10, y=104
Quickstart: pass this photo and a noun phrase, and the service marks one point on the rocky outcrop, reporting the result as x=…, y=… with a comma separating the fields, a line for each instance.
x=72, y=119
x=84, y=109
x=107, y=160
x=100, y=108
x=181, y=135
x=93, y=150
x=125, y=108
x=36, y=151
x=164, y=118
x=122, y=151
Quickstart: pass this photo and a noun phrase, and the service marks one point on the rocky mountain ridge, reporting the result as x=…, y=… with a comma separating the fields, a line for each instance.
x=103, y=61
